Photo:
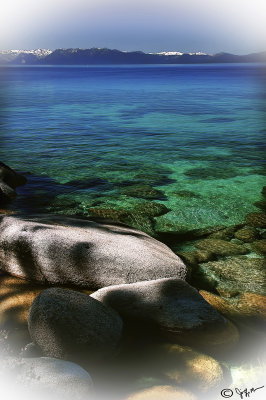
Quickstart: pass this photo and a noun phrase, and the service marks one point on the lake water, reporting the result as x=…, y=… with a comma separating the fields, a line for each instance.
x=85, y=135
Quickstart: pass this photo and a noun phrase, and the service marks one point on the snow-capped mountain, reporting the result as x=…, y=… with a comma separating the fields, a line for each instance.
x=95, y=56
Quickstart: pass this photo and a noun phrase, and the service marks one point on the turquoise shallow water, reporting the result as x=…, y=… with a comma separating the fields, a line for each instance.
x=84, y=134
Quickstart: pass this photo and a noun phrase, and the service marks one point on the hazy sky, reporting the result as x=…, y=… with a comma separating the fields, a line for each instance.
x=211, y=26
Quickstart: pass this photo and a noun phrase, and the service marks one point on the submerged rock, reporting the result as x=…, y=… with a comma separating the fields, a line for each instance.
x=235, y=274
x=45, y=377
x=187, y=367
x=144, y=192
x=193, y=258
x=261, y=204
x=70, y=325
x=247, y=308
x=170, y=308
x=259, y=246
x=224, y=234
x=212, y=173
x=130, y=218
x=162, y=392
x=247, y=234
x=258, y=220
x=151, y=209
x=64, y=250
x=221, y=247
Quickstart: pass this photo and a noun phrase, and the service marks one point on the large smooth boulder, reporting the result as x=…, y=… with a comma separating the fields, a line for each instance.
x=70, y=325
x=63, y=250
x=170, y=308
x=16, y=297
x=9, y=180
x=44, y=378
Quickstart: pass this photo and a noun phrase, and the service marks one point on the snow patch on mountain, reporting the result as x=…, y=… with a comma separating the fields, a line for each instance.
x=37, y=52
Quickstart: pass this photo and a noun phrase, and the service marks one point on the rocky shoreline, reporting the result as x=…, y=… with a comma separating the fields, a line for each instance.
x=93, y=308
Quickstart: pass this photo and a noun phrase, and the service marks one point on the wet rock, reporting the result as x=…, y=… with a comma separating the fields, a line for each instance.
x=189, y=258
x=247, y=308
x=144, y=192
x=151, y=209
x=109, y=213
x=155, y=176
x=258, y=220
x=11, y=177
x=203, y=255
x=259, y=246
x=170, y=308
x=6, y=212
x=193, y=258
x=224, y=234
x=9, y=180
x=134, y=219
x=237, y=274
x=247, y=234
x=71, y=251
x=237, y=241
x=70, y=325
x=263, y=234
x=202, y=232
x=187, y=367
x=45, y=377
x=6, y=192
x=221, y=247
x=261, y=204
x=173, y=237
x=162, y=392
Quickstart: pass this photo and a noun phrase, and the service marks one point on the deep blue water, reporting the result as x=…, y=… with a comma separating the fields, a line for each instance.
x=83, y=134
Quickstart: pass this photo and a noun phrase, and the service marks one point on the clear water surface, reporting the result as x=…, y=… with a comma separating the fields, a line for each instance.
x=82, y=134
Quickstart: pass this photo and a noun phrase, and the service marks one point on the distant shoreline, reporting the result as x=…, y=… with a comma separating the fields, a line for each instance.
x=115, y=57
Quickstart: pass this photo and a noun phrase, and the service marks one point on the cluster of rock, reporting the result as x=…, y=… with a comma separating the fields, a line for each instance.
x=92, y=329
x=232, y=260
x=145, y=332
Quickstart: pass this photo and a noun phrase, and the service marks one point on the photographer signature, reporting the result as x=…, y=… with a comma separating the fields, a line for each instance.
x=227, y=393
x=247, y=392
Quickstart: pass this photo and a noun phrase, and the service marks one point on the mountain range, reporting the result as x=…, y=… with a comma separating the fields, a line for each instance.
x=95, y=56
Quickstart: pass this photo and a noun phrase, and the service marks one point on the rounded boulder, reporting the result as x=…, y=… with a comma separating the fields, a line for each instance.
x=69, y=325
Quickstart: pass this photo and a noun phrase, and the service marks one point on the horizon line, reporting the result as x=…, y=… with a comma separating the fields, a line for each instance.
x=131, y=51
